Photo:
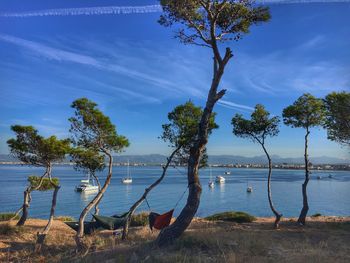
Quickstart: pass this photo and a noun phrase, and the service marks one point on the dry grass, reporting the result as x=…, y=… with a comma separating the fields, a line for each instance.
x=324, y=239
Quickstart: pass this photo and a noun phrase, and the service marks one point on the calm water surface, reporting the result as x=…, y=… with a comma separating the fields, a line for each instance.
x=328, y=196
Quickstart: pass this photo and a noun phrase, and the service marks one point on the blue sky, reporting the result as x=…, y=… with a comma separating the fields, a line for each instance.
x=137, y=72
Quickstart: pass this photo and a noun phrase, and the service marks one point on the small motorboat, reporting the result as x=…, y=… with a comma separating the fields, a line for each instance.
x=319, y=177
x=249, y=189
x=86, y=185
x=220, y=179
x=227, y=172
x=127, y=179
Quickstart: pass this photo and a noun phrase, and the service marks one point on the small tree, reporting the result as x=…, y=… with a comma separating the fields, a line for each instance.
x=33, y=149
x=180, y=133
x=258, y=128
x=306, y=112
x=206, y=23
x=90, y=162
x=94, y=132
x=337, y=120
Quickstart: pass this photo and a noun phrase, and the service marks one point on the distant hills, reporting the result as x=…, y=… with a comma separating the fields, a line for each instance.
x=216, y=159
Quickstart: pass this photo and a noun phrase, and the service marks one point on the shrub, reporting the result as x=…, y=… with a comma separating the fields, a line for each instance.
x=65, y=218
x=316, y=215
x=8, y=216
x=7, y=229
x=46, y=184
x=239, y=217
x=140, y=219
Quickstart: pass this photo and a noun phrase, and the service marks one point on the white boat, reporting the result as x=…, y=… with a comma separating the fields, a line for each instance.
x=227, y=172
x=127, y=179
x=211, y=182
x=87, y=185
x=249, y=188
x=220, y=179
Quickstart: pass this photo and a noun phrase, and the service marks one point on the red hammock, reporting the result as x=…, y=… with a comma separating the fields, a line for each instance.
x=158, y=221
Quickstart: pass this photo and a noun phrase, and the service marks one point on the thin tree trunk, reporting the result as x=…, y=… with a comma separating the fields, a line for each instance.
x=305, y=209
x=41, y=236
x=174, y=231
x=25, y=208
x=97, y=209
x=80, y=233
x=26, y=202
x=144, y=196
x=273, y=209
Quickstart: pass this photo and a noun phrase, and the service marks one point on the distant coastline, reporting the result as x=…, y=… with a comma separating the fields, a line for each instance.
x=286, y=166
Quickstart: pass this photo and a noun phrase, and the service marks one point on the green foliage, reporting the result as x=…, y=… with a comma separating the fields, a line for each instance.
x=258, y=127
x=7, y=216
x=337, y=120
x=316, y=215
x=65, y=218
x=33, y=149
x=232, y=19
x=232, y=216
x=140, y=219
x=46, y=184
x=182, y=129
x=306, y=112
x=87, y=160
x=93, y=130
x=238, y=217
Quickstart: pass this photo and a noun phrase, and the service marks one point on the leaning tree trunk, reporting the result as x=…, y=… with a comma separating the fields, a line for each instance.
x=174, y=231
x=25, y=207
x=144, y=196
x=42, y=235
x=97, y=209
x=273, y=209
x=80, y=233
x=305, y=209
x=26, y=202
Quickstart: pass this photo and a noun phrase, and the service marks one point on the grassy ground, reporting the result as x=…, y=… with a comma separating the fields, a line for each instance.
x=324, y=239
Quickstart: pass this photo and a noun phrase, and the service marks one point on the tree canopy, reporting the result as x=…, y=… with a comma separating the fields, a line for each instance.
x=93, y=130
x=87, y=160
x=337, y=120
x=182, y=130
x=306, y=112
x=31, y=148
x=230, y=18
x=258, y=127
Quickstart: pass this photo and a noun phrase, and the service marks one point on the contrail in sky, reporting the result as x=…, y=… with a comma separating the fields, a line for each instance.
x=126, y=10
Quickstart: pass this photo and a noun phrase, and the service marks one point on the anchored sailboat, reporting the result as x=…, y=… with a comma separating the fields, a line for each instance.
x=127, y=179
x=211, y=182
x=87, y=185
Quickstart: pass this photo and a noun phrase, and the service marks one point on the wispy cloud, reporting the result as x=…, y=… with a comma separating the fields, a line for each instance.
x=51, y=53
x=184, y=76
x=235, y=106
x=88, y=11
x=126, y=10
x=285, y=72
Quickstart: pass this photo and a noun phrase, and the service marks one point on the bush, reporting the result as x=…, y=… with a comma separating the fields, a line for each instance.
x=46, y=184
x=316, y=215
x=65, y=218
x=231, y=216
x=7, y=216
x=7, y=229
x=140, y=219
